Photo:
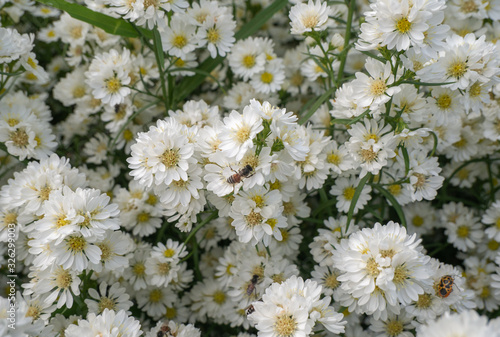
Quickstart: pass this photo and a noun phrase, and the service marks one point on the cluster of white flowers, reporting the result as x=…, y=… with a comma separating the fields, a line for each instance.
x=184, y=169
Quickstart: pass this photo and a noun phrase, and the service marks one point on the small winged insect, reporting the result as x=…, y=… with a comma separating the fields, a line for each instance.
x=253, y=283
x=164, y=329
x=237, y=177
x=250, y=309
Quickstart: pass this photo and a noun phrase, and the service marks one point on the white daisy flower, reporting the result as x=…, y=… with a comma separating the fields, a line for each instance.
x=178, y=37
x=60, y=284
x=238, y=132
x=161, y=155
x=106, y=324
x=271, y=78
x=217, y=34
x=344, y=190
x=308, y=17
x=113, y=298
x=467, y=323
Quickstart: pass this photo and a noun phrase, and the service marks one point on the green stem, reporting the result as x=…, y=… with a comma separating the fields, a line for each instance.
x=347, y=37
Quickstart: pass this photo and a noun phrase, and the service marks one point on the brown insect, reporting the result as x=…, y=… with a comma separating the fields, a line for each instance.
x=164, y=329
x=245, y=172
x=253, y=283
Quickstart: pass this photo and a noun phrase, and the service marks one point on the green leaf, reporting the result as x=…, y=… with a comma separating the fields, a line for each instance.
x=426, y=84
x=321, y=99
x=188, y=85
x=355, y=198
x=107, y=23
x=395, y=204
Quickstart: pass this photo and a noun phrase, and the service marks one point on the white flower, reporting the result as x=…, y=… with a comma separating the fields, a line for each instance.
x=217, y=34
x=238, y=132
x=344, y=190
x=271, y=78
x=113, y=299
x=108, y=76
x=13, y=45
x=466, y=323
x=109, y=323
x=178, y=39
x=292, y=309
x=161, y=155
x=308, y=17
x=60, y=284
x=374, y=89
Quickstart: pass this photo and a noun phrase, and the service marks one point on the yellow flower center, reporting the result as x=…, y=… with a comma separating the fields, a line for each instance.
x=285, y=325
x=378, y=87
x=463, y=231
x=248, y=61
x=213, y=35
x=443, y=102
x=179, y=41
x=349, y=193
x=170, y=158
x=113, y=85
x=457, y=69
x=403, y=25
x=266, y=77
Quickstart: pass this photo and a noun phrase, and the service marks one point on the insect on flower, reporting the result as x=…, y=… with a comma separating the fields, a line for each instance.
x=253, y=283
x=445, y=286
x=237, y=177
x=164, y=329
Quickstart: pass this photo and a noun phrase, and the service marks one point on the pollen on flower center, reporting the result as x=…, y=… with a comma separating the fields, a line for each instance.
x=113, y=85
x=10, y=218
x=148, y=3
x=400, y=274
x=272, y=222
x=213, y=35
x=457, y=69
x=463, y=231
x=469, y=6
x=331, y=281
x=76, y=32
x=171, y=313
x=163, y=268
x=493, y=245
x=33, y=312
x=475, y=90
x=378, y=87
x=259, y=201
x=249, y=61
x=266, y=77
x=394, y=328
x=310, y=21
x=285, y=325
x=179, y=41
x=443, y=102
x=368, y=154
x=349, y=193
x=139, y=269
x=219, y=297
x=170, y=158
x=105, y=252
x=169, y=252
x=155, y=296
x=288, y=208
x=420, y=180
x=417, y=221
x=242, y=134
x=143, y=217
x=395, y=189
x=372, y=267
x=403, y=25
x=76, y=243
x=332, y=158
x=461, y=143
x=106, y=303
x=254, y=219
x=63, y=279
x=424, y=301
x=61, y=221
x=20, y=137
x=78, y=92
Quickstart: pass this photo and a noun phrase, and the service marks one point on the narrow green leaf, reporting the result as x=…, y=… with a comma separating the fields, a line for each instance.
x=395, y=204
x=321, y=99
x=355, y=198
x=373, y=56
x=107, y=23
x=426, y=84
x=406, y=157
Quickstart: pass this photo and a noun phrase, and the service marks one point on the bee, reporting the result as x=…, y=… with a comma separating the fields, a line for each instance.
x=253, y=283
x=164, y=329
x=445, y=286
x=245, y=172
